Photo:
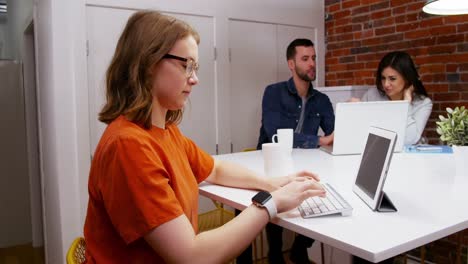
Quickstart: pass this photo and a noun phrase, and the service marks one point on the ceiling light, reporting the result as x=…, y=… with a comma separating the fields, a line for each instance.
x=446, y=7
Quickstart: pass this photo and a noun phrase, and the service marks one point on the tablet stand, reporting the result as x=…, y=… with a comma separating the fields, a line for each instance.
x=385, y=204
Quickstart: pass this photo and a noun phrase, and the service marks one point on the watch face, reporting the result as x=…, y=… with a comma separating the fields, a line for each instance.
x=261, y=197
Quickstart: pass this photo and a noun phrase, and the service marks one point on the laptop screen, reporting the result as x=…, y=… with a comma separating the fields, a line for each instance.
x=372, y=164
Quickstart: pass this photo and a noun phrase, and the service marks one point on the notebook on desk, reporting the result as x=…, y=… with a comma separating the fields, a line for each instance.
x=352, y=122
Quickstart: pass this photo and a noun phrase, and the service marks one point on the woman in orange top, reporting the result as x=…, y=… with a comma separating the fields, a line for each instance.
x=143, y=183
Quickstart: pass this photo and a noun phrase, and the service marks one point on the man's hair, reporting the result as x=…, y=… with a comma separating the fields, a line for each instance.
x=291, y=50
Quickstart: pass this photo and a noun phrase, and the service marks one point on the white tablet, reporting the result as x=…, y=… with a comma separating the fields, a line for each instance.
x=375, y=161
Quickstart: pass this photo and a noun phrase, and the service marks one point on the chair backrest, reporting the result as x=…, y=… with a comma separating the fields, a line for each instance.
x=76, y=252
x=249, y=149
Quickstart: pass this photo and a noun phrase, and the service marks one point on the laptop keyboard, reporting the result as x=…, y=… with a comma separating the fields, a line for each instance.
x=332, y=203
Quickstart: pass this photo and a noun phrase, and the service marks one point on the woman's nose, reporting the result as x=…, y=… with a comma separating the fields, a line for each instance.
x=193, y=80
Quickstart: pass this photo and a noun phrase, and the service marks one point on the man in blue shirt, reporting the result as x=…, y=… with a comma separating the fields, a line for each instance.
x=296, y=104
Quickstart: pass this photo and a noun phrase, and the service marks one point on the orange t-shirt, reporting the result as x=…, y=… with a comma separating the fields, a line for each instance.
x=140, y=179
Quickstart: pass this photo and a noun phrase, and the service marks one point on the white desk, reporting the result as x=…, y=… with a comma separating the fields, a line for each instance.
x=431, y=198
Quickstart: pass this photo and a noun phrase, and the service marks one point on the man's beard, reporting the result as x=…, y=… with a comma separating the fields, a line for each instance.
x=304, y=76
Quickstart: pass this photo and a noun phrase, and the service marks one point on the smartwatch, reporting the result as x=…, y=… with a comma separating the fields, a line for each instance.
x=265, y=200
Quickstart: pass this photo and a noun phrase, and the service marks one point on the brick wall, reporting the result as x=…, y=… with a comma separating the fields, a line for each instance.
x=360, y=32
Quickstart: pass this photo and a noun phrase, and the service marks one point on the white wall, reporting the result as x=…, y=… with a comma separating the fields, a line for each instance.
x=60, y=49
x=63, y=99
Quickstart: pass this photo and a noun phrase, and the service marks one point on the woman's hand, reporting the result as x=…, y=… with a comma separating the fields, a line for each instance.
x=408, y=94
x=278, y=182
x=353, y=100
x=292, y=194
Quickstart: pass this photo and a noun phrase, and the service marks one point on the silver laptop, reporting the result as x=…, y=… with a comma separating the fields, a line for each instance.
x=352, y=122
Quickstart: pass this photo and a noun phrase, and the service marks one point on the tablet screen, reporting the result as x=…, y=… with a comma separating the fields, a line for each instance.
x=372, y=164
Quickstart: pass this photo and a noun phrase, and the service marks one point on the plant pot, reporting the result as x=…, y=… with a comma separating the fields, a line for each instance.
x=461, y=159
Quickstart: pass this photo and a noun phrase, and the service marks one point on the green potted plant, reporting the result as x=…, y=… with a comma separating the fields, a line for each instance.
x=453, y=129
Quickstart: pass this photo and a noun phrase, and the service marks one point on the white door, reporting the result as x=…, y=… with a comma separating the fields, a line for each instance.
x=253, y=67
x=199, y=122
x=104, y=26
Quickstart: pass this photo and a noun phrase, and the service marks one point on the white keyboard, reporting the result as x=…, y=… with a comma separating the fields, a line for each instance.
x=332, y=203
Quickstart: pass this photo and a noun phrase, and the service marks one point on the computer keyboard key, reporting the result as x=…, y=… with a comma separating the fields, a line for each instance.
x=333, y=203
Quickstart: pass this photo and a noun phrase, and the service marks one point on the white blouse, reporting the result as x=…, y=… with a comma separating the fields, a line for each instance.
x=418, y=114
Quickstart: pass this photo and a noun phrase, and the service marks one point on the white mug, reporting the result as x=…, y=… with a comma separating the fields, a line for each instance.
x=277, y=161
x=285, y=137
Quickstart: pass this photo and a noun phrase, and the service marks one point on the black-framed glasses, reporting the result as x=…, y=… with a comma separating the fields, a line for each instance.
x=191, y=67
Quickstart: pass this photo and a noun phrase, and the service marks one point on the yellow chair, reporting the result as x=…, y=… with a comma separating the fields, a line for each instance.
x=249, y=149
x=76, y=252
x=214, y=218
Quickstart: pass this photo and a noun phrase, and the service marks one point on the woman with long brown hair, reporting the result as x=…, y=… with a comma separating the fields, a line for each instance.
x=143, y=183
x=397, y=79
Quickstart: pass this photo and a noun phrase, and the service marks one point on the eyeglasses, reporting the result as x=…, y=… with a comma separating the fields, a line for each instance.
x=191, y=67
